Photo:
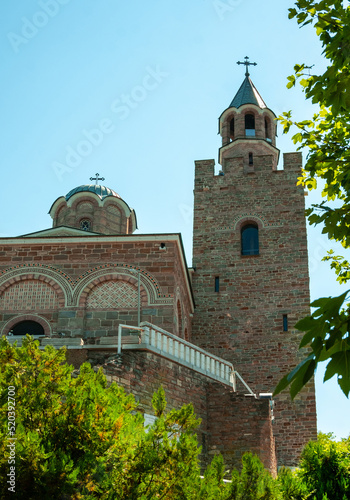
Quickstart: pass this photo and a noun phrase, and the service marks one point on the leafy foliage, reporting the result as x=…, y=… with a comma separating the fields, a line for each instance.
x=325, y=468
x=78, y=438
x=327, y=137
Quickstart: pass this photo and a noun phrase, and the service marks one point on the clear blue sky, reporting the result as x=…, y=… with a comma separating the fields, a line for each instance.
x=145, y=83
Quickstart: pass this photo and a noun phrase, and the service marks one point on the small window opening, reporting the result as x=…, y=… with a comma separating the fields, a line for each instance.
x=250, y=158
x=249, y=120
x=217, y=283
x=232, y=129
x=285, y=322
x=250, y=240
x=85, y=225
x=267, y=130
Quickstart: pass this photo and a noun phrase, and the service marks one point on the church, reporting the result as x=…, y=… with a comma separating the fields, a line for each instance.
x=219, y=334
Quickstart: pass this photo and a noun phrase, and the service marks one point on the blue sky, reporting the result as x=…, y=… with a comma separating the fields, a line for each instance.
x=133, y=90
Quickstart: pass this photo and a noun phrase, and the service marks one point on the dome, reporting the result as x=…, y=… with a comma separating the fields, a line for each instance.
x=101, y=191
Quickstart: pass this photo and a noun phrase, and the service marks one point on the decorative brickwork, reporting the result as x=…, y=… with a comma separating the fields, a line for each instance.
x=112, y=295
x=29, y=295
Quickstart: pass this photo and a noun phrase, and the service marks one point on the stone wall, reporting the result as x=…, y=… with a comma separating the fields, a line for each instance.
x=230, y=423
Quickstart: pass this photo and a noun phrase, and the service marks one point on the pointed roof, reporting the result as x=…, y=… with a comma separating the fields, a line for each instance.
x=247, y=94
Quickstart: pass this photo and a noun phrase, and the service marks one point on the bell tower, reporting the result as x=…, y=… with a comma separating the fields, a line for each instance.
x=251, y=280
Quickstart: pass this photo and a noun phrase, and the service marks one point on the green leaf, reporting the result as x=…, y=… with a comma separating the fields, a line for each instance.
x=340, y=366
x=303, y=376
x=299, y=371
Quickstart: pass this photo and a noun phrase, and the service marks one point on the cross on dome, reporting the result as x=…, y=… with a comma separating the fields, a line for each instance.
x=247, y=64
x=97, y=178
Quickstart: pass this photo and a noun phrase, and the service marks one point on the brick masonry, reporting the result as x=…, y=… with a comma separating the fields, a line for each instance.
x=230, y=423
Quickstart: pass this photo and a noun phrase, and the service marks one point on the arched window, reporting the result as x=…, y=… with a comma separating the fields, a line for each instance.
x=85, y=224
x=250, y=239
x=249, y=121
x=268, y=129
x=27, y=326
x=232, y=129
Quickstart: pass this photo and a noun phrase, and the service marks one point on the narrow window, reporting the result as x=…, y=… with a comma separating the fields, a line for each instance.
x=232, y=129
x=250, y=240
x=267, y=130
x=249, y=125
x=217, y=283
x=250, y=158
x=285, y=322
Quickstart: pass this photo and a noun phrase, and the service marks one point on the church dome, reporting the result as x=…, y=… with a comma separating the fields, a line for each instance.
x=95, y=209
x=101, y=191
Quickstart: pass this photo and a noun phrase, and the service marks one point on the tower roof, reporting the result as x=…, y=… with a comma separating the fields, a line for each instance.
x=101, y=191
x=247, y=94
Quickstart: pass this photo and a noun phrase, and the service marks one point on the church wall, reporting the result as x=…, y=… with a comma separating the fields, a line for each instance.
x=76, y=265
x=243, y=321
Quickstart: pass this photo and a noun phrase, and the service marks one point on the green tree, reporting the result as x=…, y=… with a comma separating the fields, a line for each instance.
x=325, y=468
x=291, y=485
x=78, y=438
x=327, y=136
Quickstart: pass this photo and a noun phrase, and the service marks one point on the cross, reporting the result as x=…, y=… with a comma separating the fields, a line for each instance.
x=247, y=63
x=97, y=178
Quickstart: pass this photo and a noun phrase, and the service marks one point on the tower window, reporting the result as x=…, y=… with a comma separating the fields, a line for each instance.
x=250, y=239
x=285, y=322
x=249, y=121
x=267, y=129
x=217, y=283
x=232, y=129
x=250, y=158
x=85, y=224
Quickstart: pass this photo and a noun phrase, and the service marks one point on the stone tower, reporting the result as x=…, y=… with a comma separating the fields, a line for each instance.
x=251, y=281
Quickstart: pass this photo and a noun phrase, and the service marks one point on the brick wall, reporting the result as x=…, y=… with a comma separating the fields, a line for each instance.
x=231, y=423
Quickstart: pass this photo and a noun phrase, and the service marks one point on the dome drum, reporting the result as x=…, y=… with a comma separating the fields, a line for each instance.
x=94, y=208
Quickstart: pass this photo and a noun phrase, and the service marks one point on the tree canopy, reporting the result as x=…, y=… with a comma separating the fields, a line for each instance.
x=326, y=135
x=76, y=437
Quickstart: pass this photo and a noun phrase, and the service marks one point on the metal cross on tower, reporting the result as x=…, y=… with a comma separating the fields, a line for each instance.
x=247, y=64
x=97, y=178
